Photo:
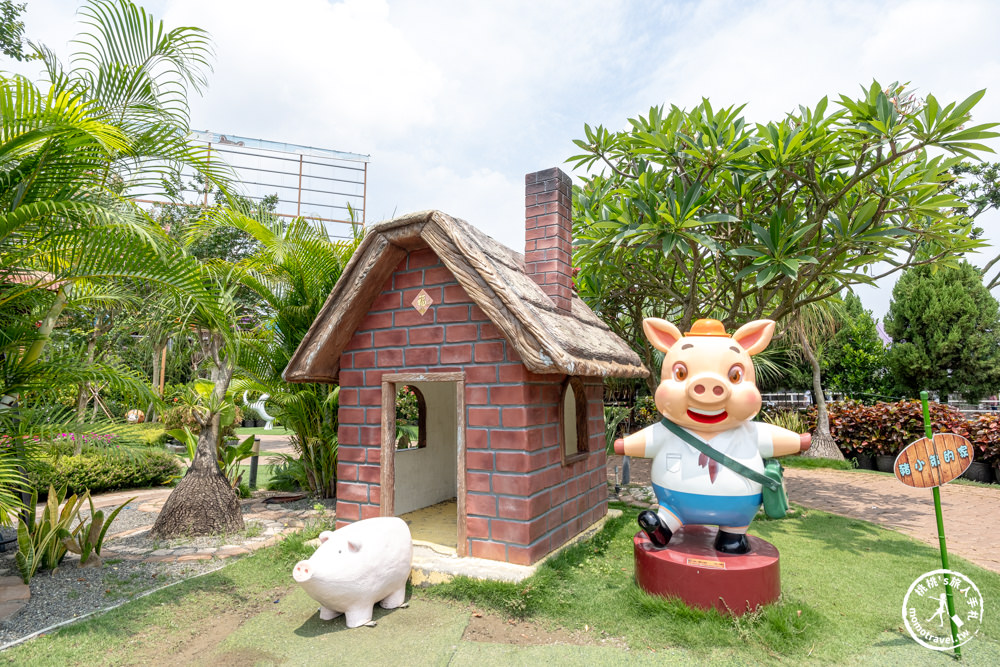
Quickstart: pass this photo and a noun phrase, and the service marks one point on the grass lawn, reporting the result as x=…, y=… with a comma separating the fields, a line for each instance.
x=277, y=430
x=809, y=463
x=264, y=473
x=843, y=583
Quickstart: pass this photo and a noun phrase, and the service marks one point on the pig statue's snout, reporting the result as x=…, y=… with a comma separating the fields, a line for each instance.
x=302, y=572
x=708, y=389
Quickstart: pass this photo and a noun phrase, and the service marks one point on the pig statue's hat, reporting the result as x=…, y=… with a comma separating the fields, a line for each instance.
x=707, y=328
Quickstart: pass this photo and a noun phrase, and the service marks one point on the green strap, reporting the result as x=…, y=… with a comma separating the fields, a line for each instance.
x=718, y=456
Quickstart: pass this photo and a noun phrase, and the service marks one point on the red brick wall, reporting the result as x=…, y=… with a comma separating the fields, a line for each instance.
x=548, y=234
x=522, y=502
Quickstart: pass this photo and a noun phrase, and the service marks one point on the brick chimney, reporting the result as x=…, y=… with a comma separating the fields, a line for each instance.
x=548, y=234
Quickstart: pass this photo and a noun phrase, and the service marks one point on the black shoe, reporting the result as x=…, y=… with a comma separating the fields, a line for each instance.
x=732, y=543
x=657, y=533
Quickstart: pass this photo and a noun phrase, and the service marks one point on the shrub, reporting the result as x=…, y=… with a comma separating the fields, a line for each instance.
x=123, y=437
x=288, y=475
x=142, y=435
x=102, y=471
x=645, y=413
x=790, y=419
x=179, y=416
x=984, y=434
x=885, y=428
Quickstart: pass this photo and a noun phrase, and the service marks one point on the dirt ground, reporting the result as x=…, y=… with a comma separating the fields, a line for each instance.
x=494, y=629
x=639, y=469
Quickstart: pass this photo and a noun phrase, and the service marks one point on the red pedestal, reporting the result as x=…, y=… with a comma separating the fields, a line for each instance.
x=690, y=568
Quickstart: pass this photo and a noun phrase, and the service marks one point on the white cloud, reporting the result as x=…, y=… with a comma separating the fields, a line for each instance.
x=456, y=101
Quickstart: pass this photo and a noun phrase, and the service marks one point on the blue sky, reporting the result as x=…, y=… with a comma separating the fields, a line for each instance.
x=456, y=101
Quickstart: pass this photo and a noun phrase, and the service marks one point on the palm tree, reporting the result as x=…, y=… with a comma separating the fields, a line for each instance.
x=811, y=326
x=204, y=502
x=71, y=154
x=292, y=274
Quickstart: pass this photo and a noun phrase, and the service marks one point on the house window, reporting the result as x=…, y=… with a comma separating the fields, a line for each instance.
x=573, y=419
x=411, y=418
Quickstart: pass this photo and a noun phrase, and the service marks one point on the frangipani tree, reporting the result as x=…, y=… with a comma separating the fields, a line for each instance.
x=699, y=213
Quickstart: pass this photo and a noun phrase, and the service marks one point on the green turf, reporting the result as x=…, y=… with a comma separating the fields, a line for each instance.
x=843, y=582
x=813, y=463
x=277, y=430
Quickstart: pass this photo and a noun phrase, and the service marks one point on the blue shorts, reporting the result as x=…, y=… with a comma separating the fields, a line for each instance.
x=732, y=511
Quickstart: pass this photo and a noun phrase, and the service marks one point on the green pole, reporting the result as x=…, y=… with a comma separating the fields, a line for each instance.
x=940, y=526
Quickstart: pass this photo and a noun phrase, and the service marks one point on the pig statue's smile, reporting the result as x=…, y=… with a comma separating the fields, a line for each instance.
x=706, y=417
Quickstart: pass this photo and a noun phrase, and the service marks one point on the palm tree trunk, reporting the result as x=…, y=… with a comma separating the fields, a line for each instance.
x=83, y=395
x=823, y=444
x=204, y=503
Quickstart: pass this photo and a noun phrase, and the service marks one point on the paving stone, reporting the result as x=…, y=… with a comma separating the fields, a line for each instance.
x=9, y=609
x=160, y=559
x=230, y=551
x=13, y=589
x=191, y=557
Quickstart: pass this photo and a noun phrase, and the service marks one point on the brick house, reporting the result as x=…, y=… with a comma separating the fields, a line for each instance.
x=506, y=366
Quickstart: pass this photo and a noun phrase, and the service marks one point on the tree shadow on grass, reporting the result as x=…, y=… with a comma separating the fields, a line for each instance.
x=836, y=534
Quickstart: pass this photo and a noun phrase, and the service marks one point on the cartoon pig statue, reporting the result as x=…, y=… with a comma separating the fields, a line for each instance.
x=707, y=387
x=356, y=566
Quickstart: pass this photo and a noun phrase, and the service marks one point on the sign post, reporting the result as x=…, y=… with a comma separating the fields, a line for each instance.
x=932, y=461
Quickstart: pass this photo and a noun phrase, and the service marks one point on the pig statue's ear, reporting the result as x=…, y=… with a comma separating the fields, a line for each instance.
x=754, y=336
x=354, y=546
x=325, y=535
x=662, y=334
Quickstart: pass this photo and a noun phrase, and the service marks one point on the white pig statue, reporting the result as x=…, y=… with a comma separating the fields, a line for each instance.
x=356, y=566
x=707, y=388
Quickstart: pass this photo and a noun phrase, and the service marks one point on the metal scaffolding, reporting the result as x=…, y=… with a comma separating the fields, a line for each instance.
x=318, y=184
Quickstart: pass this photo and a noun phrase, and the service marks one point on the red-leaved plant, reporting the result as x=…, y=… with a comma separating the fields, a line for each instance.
x=984, y=434
x=885, y=428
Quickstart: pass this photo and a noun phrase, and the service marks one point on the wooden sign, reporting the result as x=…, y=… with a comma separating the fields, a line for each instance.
x=927, y=463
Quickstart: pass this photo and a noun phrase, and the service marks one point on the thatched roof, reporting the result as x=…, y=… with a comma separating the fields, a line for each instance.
x=547, y=339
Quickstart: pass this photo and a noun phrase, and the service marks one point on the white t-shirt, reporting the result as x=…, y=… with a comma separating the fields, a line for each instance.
x=675, y=463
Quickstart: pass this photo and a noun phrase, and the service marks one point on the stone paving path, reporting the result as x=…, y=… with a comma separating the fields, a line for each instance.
x=275, y=520
x=970, y=512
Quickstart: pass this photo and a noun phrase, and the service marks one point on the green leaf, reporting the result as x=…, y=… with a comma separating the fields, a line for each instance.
x=718, y=217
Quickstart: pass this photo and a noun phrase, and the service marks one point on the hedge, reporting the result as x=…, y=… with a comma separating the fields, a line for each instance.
x=886, y=428
x=133, y=468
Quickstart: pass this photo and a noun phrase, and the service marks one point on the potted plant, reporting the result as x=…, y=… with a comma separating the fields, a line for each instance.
x=249, y=417
x=992, y=457
x=984, y=434
x=863, y=455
